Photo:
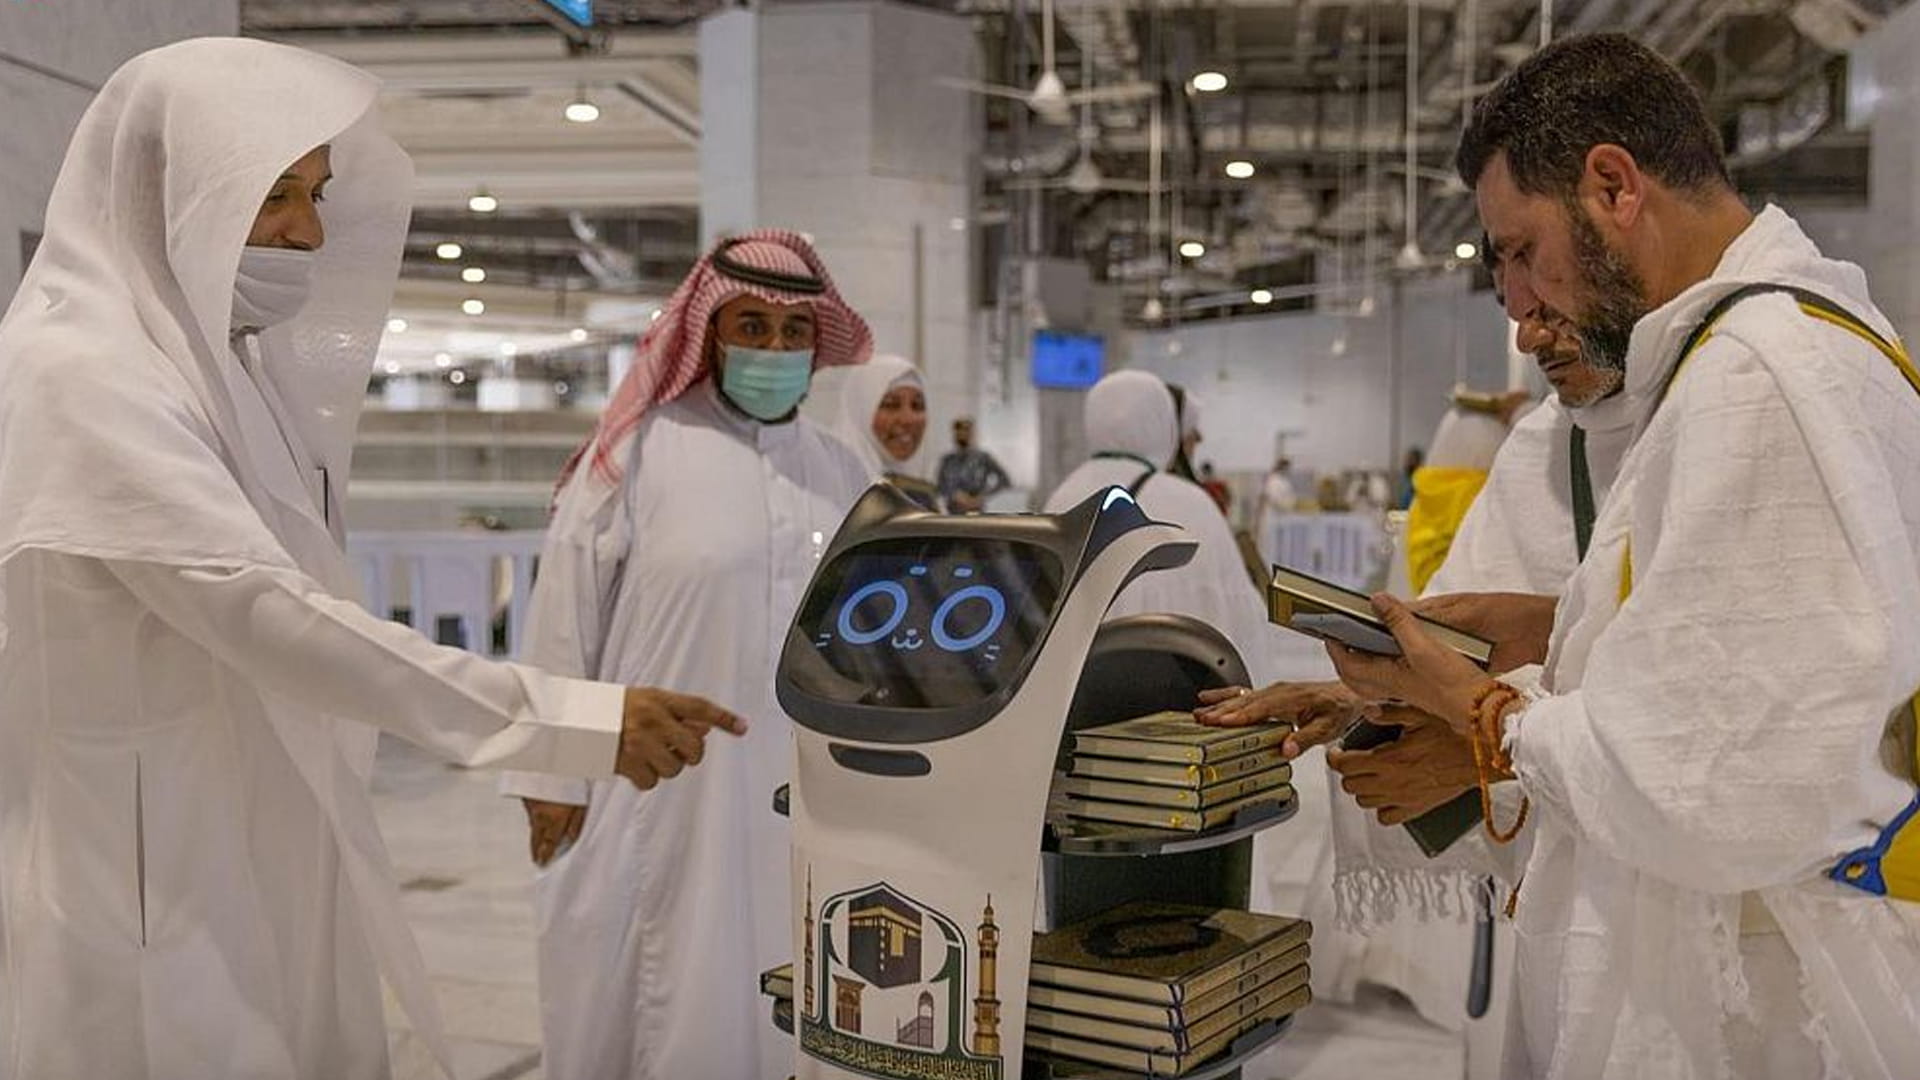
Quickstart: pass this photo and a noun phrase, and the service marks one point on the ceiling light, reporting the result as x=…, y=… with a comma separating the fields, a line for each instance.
x=508, y=348
x=443, y=360
x=393, y=367
x=396, y=326
x=473, y=306
x=1261, y=296
x=1465, y=250
x=473, y=275
x=448, y=251
x=1210, y=82
x=582, y=111
x=561, y=388
x=1239, y=170
x=1153, y=310
x=483, y=203
x=578, y=334
x=1193, y=249
x=457, y=377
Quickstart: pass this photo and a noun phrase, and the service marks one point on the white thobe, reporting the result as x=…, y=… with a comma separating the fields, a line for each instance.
x=1711, y=745
x=655, y=925
x=1517, y=537
x=176, y=905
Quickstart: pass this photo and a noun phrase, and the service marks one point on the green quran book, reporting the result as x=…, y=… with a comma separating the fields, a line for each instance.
x=1175, y=737
x=1173, y=818
x=1158, y=1062
x=1177, y=774
x=778, y=982
x=1166, y=954
x=1159, y=1014
x=1082, y=787
x=1178, y=1040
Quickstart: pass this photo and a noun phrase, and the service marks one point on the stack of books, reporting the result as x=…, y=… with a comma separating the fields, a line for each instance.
x=1163, y=988
x=1164, y=771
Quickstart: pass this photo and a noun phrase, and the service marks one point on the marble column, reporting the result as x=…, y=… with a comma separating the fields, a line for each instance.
x=829, y=119
x=54, y=54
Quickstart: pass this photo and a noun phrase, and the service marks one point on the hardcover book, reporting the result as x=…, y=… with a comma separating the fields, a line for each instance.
x=1165, y=954
x=1174, y=737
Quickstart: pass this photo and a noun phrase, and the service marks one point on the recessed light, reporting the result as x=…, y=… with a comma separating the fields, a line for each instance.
x=396, y=326
x=577, y=334
x=473, y=306
x=1210, y=82
x=449, y=251
x=457, y=377
x=1466, y=249
x=1193, y=249
x=473, y=275
x=1261, y=296
x=483, y=203
x=1239, y=170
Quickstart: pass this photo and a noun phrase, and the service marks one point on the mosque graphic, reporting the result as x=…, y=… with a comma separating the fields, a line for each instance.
x=869, y=1002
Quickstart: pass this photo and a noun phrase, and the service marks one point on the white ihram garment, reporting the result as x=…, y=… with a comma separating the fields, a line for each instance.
x=191, y=881
x=1718, y=739
x=656, y=924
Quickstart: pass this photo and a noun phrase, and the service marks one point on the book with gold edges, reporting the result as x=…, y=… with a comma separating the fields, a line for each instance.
x=1178, y=774
x=1173, y=818
x=1159, y=1062
x=1082, y=787
x=1165, y=954
x=1161, y=1014
x=1178, y=1040
x=1175, y=737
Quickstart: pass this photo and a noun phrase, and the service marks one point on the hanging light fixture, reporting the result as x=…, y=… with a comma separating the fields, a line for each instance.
x=482, y=203
x=581, y=110
x=449, y=250
x=473, y=275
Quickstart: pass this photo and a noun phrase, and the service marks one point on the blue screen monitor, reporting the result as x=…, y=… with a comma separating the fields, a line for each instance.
x=1068, y=361
x=578, y=12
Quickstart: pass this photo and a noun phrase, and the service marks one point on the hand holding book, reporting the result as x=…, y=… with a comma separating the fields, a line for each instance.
x=1427, y=675
x=1426, y=767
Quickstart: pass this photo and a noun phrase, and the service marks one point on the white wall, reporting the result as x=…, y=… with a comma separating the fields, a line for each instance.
x=1257, y=376
x=53, y=56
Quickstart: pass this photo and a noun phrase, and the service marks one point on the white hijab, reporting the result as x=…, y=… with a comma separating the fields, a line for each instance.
x=1132, y=413
x=847, y=398
x=124, y=431
x=128, y=427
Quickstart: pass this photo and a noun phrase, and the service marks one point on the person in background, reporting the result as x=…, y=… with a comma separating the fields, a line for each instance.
x=192, y=882
x=683, y=537
x=1217, y=488
x=968, y=476
x=879, y=409
x=1403, y=490
x=1444, y=487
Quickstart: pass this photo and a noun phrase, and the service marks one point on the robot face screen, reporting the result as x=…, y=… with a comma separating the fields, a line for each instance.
x=926, y=623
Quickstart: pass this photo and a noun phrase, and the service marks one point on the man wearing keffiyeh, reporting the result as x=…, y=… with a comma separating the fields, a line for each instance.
x=684, y=533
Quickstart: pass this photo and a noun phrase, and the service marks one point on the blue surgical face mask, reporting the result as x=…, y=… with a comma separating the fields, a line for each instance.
x=766, y=384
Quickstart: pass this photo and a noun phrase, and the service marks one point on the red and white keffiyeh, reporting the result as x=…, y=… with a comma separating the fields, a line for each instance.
x=773, y=264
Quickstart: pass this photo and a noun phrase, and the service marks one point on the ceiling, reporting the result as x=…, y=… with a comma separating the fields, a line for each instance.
x=595, y=220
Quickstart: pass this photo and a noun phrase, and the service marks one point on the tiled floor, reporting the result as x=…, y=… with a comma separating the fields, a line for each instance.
x=461, y=852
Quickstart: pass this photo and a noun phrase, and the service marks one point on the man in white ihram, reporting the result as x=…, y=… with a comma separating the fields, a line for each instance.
x=1721, y=717
x=191, y=881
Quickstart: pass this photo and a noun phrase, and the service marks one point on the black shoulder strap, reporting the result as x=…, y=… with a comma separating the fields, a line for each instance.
x=1583, y=508
x=1121, y=455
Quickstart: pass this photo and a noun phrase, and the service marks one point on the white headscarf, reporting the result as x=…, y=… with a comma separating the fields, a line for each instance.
x=844, y=399
x=120, y=436
x=130, y=430
x=1132, y=412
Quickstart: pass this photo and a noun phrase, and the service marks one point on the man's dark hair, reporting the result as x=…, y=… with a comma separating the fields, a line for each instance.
x=1585, y=91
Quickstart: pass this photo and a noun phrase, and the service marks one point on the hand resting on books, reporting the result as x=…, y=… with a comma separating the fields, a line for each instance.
x=1427, y=766
x=1319, y=712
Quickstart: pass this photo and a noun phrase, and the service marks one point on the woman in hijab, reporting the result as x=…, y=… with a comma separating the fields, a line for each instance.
x=682, y=540
x=879, y=409
x=191, y=881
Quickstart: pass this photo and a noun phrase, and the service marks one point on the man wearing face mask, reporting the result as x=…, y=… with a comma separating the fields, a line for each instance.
x=191, y=880
x=683, y=536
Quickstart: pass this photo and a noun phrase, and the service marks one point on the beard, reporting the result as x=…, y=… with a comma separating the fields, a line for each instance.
x=1615, y=296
